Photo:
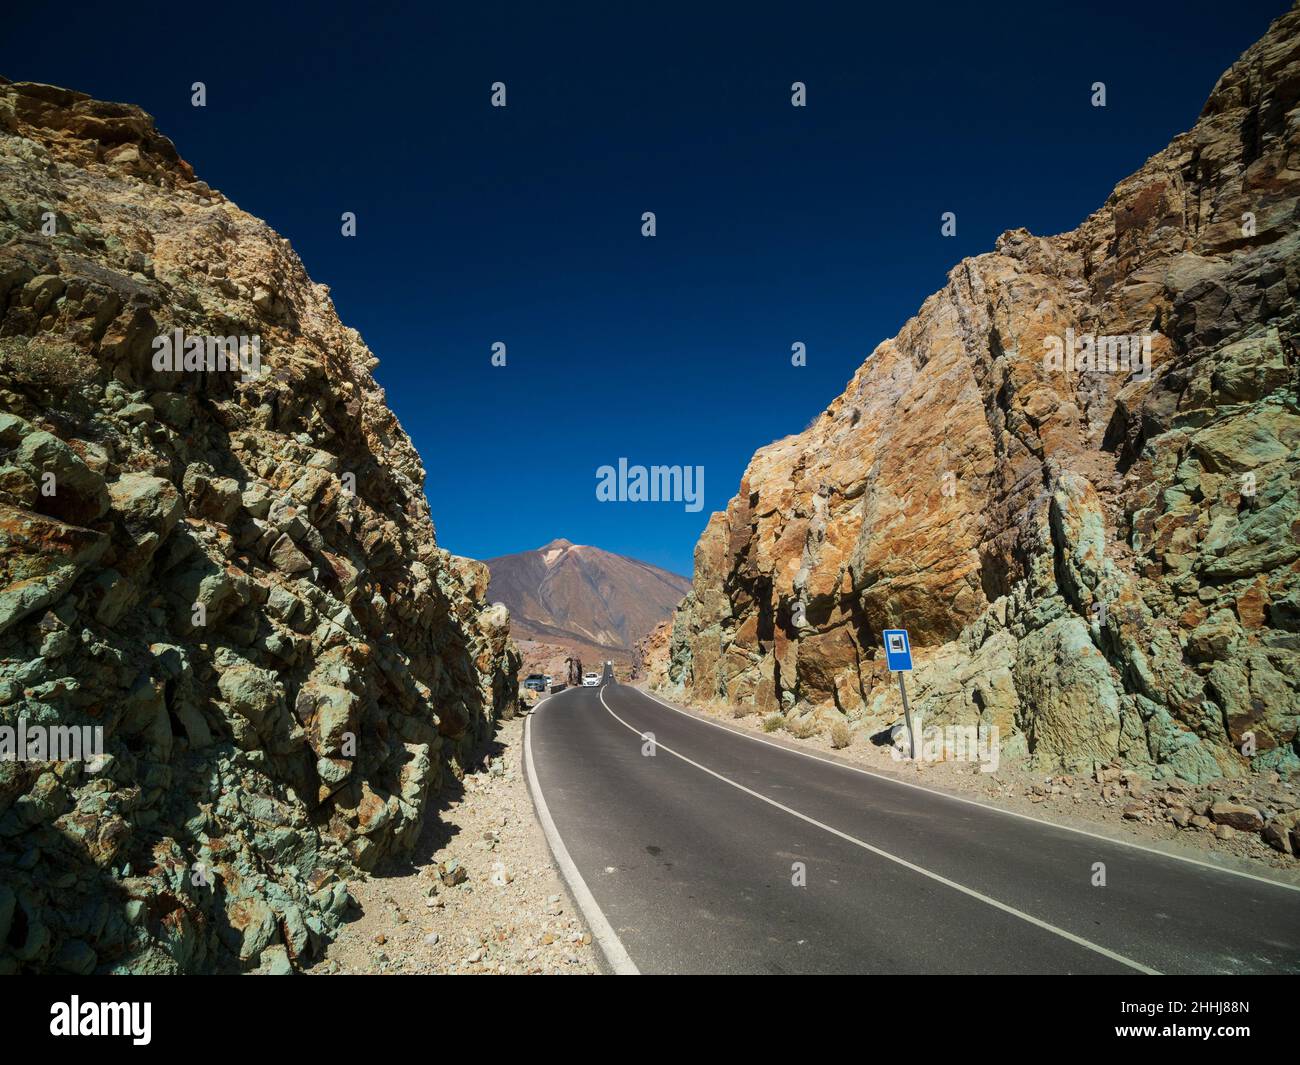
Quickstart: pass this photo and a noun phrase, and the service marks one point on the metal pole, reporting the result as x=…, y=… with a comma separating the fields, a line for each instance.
x=907, y=712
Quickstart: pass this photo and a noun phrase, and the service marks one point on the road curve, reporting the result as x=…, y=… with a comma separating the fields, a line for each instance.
x=718, y=853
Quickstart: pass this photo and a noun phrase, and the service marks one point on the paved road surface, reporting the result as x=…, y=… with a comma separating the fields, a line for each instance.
x=690, y=854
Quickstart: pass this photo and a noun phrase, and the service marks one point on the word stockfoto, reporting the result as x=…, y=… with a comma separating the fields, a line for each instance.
x=658, y=484
x=1090, y=353
x=178, y=353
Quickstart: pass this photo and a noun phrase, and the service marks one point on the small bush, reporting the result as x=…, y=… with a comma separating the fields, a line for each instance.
x=803, y=728
x=46, y=363
x=841, y=735
x=773, y=722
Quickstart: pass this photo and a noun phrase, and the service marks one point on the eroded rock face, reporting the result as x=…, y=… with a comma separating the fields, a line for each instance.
x=1106, y=565
x=652, y=654
x=234, y=575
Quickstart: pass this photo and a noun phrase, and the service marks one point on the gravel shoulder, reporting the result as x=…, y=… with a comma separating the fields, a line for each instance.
x=480, y=894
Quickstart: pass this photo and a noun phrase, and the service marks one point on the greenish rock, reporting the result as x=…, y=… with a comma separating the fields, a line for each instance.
x=1251, y=368
x=332, y=714
x=256, y=696
x=1234, y=445
x=40, y=559
x=1177, y=751
x=1257, y=702
x=69, y=489
x=211, y=496
x=1067, y=681
x=99, y=581
x=254, y=922
x=275, y=962
x=139, y=413
x=1257, y=542
x=148, y=505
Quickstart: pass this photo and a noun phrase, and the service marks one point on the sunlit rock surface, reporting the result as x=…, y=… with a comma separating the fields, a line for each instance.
x=1106, y=565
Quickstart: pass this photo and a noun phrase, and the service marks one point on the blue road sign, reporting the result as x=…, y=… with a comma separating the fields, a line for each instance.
x=898, y=650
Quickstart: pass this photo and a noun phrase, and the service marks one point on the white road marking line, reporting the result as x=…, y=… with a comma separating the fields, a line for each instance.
x=1088, y=944
x=975, y=802
x=603, y=932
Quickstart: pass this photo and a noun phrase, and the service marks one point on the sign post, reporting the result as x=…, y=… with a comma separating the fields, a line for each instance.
x=898, y=656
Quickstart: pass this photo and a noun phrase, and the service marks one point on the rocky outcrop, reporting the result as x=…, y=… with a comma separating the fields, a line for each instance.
x=652, y=654
x=222, y=561
x=1102, y=561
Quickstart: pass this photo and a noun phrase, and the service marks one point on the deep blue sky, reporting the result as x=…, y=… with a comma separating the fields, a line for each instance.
x=776, y=224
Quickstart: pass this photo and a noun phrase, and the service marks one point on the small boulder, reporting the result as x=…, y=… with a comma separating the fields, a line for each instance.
x=1236, y=815
x=286, y=557
x=69, y=489
x=146, y=504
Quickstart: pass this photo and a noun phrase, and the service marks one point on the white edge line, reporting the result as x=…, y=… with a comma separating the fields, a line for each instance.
x=611, y=946
x=988, y=900
x=744, y=734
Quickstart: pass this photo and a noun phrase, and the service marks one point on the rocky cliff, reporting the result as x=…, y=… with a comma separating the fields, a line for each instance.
x=1102, y=561
x=653, y=654
x=216, y=554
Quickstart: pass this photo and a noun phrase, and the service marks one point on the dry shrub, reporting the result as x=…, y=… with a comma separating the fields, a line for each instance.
x=841, y=735
x=802, y=729
x=46, y=363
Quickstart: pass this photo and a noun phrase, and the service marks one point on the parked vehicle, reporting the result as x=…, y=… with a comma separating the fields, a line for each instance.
x=535, y=682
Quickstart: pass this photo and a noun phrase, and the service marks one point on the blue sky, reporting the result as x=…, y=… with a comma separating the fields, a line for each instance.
x=523, y=225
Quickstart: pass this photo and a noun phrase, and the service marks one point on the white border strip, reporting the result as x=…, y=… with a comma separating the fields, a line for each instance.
x=745, y=734
x=1038, y=922
x=612, y=947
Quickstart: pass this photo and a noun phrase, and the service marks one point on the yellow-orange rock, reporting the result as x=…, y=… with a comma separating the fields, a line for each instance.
x=1052, y=536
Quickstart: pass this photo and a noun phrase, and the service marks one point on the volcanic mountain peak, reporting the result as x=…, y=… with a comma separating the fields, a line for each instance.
x=555, y=550
x=583, y=596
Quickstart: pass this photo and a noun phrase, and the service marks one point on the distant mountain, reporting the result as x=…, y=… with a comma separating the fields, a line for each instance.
x=583, y=597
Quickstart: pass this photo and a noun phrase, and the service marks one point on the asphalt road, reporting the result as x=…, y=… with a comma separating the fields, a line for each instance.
x=721, y=853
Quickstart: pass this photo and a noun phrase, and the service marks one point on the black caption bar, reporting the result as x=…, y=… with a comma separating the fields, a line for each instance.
x=149, y=1015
